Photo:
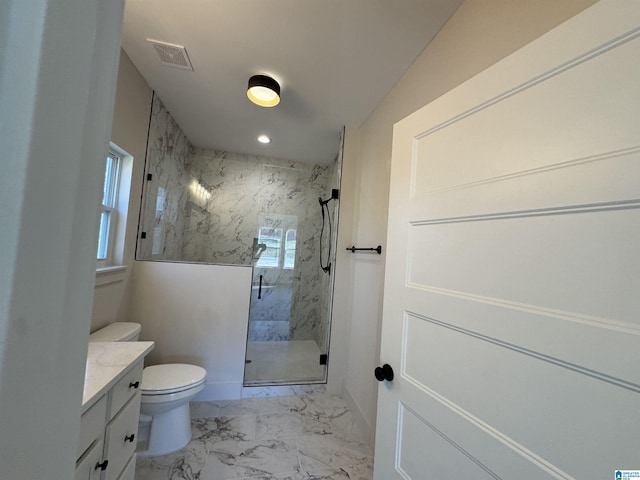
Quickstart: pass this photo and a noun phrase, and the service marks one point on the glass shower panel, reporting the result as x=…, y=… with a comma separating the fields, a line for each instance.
x=278, y=349
x=290, y=313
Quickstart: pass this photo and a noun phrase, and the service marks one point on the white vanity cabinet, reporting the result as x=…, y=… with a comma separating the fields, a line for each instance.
x=111, y=407
x=88, y=466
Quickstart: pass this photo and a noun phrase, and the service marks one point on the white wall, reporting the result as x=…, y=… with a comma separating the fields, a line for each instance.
x=129, y=131
x=58, y=69
x=479, y=34
x=196, y=314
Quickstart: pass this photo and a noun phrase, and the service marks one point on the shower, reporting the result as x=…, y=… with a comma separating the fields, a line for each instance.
x=216, y=207
x=290, y=300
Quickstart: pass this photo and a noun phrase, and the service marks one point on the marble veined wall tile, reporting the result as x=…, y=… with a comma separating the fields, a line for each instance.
x=249, y=192
x=165, y=196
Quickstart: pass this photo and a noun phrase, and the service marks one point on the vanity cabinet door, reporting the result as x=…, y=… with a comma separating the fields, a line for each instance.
x=120, y=438
x=89, y=466
x=92, y=425
x=125, y=388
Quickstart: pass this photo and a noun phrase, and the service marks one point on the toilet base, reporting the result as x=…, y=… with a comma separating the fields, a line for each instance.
x=169, y=432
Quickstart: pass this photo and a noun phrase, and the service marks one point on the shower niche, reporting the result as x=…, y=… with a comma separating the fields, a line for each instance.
x=214, y=207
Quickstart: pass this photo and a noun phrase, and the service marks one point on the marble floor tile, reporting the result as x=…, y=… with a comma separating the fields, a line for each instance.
x=309, y=437
x=293, y=424
x=253, y=406
x=331, y=405
x=280, y=476
x=361, y=471
x=213, y=430
x=355, y=472
x=343, y=425
x=324, y=474
x=186, y=464
x=330, y=451
x=333, y=408
x=233, y=459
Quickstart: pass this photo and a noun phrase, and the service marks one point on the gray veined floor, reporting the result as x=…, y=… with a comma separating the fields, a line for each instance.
x=309, y=437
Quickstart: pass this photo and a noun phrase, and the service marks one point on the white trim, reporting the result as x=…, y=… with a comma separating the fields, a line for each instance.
x=110, y=274
x=119, y=213
x=364, y=427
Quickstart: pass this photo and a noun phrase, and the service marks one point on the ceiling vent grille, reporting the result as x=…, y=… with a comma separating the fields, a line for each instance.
x=171, y=55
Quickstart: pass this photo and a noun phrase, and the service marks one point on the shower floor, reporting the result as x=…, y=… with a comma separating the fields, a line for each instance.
x=282, y=362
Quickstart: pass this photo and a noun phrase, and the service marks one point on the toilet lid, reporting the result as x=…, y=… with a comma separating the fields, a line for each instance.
x=171, y=378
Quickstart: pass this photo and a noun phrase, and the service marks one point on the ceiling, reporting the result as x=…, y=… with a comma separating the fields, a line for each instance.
x=334, y=59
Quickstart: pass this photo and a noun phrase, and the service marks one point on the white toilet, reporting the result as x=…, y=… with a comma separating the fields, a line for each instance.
x=166, y=392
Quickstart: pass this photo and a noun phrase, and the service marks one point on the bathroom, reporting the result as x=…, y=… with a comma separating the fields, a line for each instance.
x=364, y=191
x=192, y=297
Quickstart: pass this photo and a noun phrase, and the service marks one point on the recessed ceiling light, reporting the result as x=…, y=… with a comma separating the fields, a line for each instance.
x=263, y=91
x=264, y=139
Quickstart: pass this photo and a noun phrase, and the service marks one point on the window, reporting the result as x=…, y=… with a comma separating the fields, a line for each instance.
x=275, y=255
x=108, y=210
x=289, y=250
x=272, y=238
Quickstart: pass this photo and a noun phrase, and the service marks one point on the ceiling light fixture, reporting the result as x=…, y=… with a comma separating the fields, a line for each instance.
x=264, y=139
x=263, y=91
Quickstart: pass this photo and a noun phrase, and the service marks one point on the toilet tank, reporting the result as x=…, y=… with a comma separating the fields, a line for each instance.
x=117, y=332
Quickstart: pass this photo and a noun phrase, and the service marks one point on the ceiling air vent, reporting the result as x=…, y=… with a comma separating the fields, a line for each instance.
x=171, y=55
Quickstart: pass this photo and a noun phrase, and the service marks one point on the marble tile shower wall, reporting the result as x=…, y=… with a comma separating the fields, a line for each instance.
x=206, y=206
x=244, y=190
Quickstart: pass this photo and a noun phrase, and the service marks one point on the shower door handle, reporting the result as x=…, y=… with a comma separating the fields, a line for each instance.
x=260, y=288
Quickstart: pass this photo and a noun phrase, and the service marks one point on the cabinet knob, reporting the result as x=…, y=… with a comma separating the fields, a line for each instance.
x=129, y=438
x=135, y=384
x=384, y=373
x=102, y=466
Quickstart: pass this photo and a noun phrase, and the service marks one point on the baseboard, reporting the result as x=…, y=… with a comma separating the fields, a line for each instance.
x=367, y=432
x=220, y=391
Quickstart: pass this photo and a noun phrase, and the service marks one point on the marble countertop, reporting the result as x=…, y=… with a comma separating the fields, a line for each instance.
x=106, y=362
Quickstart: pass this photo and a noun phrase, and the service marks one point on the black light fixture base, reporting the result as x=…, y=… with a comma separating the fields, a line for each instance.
x=259, y=85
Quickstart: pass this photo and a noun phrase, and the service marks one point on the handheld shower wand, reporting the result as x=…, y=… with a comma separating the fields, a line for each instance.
x=335, y=193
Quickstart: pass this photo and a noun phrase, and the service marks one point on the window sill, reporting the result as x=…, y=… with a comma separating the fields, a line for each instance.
x=111, y=274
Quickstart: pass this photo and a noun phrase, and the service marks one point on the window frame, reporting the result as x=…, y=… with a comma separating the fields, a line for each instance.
x=116, y=207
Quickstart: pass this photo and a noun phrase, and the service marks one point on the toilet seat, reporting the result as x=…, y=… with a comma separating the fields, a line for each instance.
x=171, y=378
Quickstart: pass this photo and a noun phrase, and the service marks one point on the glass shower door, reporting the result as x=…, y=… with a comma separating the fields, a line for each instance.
x=281, y=348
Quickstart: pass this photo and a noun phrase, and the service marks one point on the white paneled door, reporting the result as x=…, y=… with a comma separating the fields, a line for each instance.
x=512, y=290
